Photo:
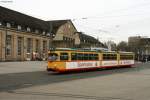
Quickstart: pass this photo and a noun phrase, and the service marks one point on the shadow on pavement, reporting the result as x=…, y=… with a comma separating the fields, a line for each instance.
x=15, y=81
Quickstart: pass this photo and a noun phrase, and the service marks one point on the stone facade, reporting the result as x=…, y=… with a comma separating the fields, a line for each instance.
x=22, y=53
x=2, y=45
x=23, y=37
x=65, y=35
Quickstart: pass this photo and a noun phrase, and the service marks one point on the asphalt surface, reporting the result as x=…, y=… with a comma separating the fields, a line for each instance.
x=30, y=81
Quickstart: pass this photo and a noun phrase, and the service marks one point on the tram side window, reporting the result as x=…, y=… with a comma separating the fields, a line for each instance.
x=80, y=56
x=126, y=57
x=84, y=56
x=73, y=56
x=96, y=57
x=121, y=57
x=90, y=56
x=93, y=56
x=105, y=57
x=77, y=56
x=109, y=56
x=64, y=56
x=114, y=56
x=131, y=57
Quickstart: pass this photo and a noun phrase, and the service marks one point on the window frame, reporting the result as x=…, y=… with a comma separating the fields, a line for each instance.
x=109, y=56
x=8, y=45
x=84, y=56
x=19, y=46
x=65, y=55
x=126, y=57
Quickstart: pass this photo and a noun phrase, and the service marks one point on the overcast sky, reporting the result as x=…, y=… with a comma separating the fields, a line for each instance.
x=114, y=20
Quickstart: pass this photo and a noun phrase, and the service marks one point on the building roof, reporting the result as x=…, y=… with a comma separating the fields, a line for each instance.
x=57, y=23
x=84, y=37
x=14, y=17
x=17, y=18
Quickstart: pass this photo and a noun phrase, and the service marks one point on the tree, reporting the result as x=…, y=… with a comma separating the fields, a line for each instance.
x=122, y=46
x=110, y=45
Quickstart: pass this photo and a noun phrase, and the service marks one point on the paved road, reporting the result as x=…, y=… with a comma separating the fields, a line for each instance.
x=19, y=67
x=34, y=83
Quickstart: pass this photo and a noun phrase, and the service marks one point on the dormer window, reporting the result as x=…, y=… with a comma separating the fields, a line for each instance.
x=28, y=29
x=8, y=25
x=19, y=27
x=36, y=31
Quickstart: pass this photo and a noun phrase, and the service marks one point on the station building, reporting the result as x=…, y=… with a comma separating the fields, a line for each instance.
x=66, y=34
x=23, y=37
x=86, y=41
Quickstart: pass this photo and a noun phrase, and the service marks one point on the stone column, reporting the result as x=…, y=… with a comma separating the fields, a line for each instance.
x=24, y=48
x=14, y=47
x=34, y=48
x=34, y=44
x=47, y=47
x=3, y=45
x=41, y=47
x=0, y=46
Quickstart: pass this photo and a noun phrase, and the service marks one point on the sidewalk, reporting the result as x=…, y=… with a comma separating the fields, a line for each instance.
x=26, y=66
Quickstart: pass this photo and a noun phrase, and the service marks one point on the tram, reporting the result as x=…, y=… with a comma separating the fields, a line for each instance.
x=67, y=59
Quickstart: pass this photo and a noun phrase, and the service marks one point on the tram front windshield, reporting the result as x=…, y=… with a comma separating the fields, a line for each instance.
x=52, y=56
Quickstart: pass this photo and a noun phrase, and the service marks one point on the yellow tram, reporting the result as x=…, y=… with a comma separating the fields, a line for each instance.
x=67, y=59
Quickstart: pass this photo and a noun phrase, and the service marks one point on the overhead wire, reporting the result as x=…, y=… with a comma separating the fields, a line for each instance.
x=113, y=11
x=102, y=17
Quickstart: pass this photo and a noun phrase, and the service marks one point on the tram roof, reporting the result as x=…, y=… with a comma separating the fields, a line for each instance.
x=79, y=50
x=87, y=50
